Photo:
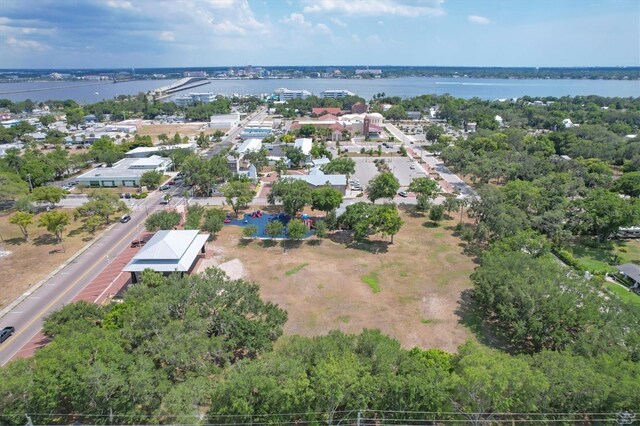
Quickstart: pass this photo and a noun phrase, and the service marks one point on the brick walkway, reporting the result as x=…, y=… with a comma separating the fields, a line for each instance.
x=109, y=282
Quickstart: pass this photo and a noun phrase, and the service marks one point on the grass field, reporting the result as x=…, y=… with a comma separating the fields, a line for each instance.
x=625, y=295
x=603, y=257
x=411, y=290
x=29, y=262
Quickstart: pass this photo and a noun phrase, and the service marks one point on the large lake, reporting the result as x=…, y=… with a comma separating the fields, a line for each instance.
x=85, y=92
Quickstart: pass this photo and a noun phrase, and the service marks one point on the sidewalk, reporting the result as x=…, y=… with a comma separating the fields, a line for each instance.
x=110, y=281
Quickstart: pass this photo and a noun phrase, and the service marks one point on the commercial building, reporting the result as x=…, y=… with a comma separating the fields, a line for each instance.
x=316, y=178
x=169, y=252
x=256, y=132
x=325, y=110
x=194, y=74
x=126, y=172
x=368, y=71
x=192, y=98
x=224, y=121
x=336, y=94
x=285, y=94
x=147, y=151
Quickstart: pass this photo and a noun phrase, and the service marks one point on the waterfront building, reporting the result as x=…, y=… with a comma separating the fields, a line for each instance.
x=336, y=94
x=285, y=94
x=192, y=98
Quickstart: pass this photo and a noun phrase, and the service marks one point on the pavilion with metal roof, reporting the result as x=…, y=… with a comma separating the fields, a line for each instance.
x=167, y=252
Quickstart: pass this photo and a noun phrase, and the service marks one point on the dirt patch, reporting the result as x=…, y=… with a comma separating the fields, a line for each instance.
x=29, y=262
x=185, y=129
x=421, y=278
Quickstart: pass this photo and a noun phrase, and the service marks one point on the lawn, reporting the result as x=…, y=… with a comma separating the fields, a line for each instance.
x=29, y=262
x=603, y=257
x=626, y=295
x=411, y=289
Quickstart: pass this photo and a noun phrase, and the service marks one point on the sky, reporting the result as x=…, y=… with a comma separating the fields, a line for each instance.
x=193, y=33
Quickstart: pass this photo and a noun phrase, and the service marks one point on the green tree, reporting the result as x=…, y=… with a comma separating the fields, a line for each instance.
x=47, y=119
x=162, y=220
x=258, y=158
x=11, y=186
x=296, y=230
x=238, y=194
x=326, y=198
x=322, y=230
x=195, y=212
x=22, y=220
x=24, y=205
x=288, y=138
x=48, y=194
x=602, y=213
x=340, y=166
x=628, y=184
x=55, y=222
x=280, y=167
x=213, y=220
x=384, y=185
x=387, y=220
x=294, y=155
x=436, y=213
x=425, y=186
x=249, y=231
x=97, y=211
x=151, y=179
x=486, y=382
x=294, y=195
x=274, y=229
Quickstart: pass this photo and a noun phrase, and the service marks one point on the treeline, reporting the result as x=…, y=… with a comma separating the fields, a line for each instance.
x=179, y=348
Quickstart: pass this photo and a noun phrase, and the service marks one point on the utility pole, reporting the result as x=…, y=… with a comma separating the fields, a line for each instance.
x=358, y=419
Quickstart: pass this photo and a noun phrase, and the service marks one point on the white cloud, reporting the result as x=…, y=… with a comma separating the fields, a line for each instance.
x=376, y=7
x=120, y=4
x=294, y=18
x=477, y=19
x=339, y=22
x=25, y=44
x=167, y=36
x=298, y=20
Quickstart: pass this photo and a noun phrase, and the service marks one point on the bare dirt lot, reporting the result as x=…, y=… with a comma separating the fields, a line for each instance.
x=185, y=129
x=325, y=285
x=29, y=262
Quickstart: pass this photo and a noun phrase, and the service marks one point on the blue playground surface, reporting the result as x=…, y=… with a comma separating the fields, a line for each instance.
x=261, y=222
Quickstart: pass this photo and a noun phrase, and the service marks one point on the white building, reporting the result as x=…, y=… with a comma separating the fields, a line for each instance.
x=169, y=252
x=368, y=71
x=256, y=132
x=250, y=145
x=305, y=144
x=336, y=94
x=147, y=151
x=192, y=98
x=224, y=121
x=286, y=94
x=126, y=172
x=316, y=179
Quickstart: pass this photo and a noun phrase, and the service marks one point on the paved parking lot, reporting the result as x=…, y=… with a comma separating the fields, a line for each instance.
x=400, y=166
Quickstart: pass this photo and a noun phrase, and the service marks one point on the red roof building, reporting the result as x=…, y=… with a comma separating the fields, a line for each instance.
x=322, y=111
x=359, y=108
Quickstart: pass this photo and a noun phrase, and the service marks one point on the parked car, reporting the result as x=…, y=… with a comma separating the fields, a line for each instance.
x=403, y=194
x=124, y=219
x=6, y=332
x=164, y=202
x=412, y=167
x=127, y=195
x=164, y=187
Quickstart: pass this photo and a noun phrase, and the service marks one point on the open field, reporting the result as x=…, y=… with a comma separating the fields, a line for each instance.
x=624, y=294
x=29, y=262
x=185, y=129
x=410, y=290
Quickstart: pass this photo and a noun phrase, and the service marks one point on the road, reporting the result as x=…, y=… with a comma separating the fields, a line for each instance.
x=59, y=290
x=230, y=139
